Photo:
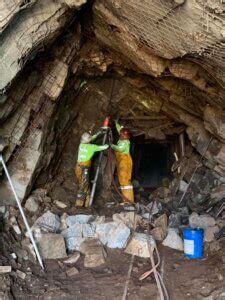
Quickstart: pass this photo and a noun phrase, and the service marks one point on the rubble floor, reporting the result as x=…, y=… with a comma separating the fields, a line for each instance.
x=184, y=278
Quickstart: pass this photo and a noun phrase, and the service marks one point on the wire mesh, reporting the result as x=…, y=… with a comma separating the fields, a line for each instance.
x=172, y=31
x=29, y=126
x=9, y=10
x=155, y=24
x=26, y=123
x=26, y=33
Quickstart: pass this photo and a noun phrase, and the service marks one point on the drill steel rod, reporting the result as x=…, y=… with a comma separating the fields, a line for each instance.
x=22, y=213
x=98, y=169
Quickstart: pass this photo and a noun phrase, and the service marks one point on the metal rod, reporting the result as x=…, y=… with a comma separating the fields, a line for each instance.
x=22, y=213
x=98, y=169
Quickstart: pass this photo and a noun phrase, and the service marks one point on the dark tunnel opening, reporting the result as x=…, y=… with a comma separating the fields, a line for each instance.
x=152, y=161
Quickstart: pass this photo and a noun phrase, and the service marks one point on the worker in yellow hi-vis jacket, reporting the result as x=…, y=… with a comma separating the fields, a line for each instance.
x=85, y=154
x=124, y=163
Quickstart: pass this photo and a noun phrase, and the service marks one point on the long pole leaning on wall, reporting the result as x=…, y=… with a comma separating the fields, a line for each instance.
x=22, y=212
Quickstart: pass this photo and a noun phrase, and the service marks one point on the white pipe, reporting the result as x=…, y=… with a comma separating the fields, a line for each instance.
x=22, y=213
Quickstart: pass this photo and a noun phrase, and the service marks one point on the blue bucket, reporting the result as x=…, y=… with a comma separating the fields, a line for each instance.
x=193, y=242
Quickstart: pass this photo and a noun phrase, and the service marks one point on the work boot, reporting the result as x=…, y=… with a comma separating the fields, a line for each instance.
x=128, y=195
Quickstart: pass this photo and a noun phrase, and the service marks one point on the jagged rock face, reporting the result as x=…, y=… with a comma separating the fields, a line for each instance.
x=28, y=31
x=28, y=117
x=169, y=29
x=167, y=62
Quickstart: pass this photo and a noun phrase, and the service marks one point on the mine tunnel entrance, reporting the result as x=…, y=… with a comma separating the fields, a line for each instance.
x=152, y=162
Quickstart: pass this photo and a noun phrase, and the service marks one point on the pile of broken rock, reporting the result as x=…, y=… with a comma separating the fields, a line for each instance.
x=89, y=235
x=128, y=230
x=67, y=236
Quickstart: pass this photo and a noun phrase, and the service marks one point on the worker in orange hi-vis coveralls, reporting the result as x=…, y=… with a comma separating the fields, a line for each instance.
x=124, y=163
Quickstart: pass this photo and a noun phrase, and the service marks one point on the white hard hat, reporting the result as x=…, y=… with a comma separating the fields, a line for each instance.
x=86, y=138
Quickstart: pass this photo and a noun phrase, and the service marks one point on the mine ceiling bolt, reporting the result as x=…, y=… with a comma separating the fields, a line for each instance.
x=21, y=210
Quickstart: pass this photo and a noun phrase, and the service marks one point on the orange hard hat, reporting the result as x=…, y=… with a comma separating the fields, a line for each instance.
x=125, y=133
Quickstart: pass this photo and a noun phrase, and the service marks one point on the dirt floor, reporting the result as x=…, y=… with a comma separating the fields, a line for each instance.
x=184, y=278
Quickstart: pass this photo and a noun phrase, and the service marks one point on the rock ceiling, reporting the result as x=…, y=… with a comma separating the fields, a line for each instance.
x=168, y=58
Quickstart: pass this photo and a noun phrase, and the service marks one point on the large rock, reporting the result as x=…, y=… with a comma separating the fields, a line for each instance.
x=79, y=219
x=159, y=232
x=162, y=222
x=102, y=231
x=22, y=170
x=52, y=246
x=48, y=222
x=94, y=253
x=201, y=221
x=118, y=237
x=130, y=219
x=32, y=204
x=173, y=240
x=113, y=234
x=76, y=234
x=140, y=245
x=209, y=233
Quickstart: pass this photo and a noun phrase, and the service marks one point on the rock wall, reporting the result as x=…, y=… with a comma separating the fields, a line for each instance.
x=166, y=63
x=143, y=31
x=28, y=31
x=29, y=114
